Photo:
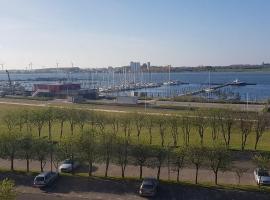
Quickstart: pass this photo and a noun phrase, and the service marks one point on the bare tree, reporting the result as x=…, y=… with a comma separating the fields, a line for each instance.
x=126, y=125
x=41, y=150
x=160, y=154
x=37, y=117
x=73, y=119
x=149, y=125
x=196, y=156
x=121, y=149
x=239, y=171
x=88, y=148
x=50, y=117
x=219, y=158
x=114, y=122
x=82, y=118
x=186, y=128
x=139, y=123
x=214, y=125
x=226, y=122
x=107, y=142
x=262, y=121
x=9, y=146
x=140, y=154
x=174, y=120
x=161, y=122
x=179, y=156
x=200, y=123
x=92, y=119
x=246, y=125
x=10, y=120
x=26, y=144
x=26, y=119
x=61, y=115
x=101, y=121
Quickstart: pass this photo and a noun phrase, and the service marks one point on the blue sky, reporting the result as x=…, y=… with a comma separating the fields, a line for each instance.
x=100, y=33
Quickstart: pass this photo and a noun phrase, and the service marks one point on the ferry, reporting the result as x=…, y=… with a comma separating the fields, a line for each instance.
x=236, y=82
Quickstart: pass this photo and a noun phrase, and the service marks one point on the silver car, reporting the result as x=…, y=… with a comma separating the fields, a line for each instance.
x=68, y=165
x=149, y=187
x=45, y=179
x=262, y=176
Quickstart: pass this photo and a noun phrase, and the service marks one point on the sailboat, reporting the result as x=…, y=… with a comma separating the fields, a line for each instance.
x=209, y=89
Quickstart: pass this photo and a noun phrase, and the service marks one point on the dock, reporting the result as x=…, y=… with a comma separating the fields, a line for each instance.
x=210, y=89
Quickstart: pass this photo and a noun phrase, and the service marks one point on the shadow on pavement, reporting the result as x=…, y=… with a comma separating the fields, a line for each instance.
x=68, y=184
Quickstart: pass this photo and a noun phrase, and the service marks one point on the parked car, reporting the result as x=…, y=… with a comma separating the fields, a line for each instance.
x=68, y=165
x=262, y=176
x=45, y=179
x=148, y=187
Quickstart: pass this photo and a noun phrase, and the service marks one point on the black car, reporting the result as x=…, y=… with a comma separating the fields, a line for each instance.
x=45, y=179
x=149, y=187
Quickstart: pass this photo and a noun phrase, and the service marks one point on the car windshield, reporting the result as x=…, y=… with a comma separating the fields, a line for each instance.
x=39, y=178
x=67, y=162
x=147, y=186
x=263, y=173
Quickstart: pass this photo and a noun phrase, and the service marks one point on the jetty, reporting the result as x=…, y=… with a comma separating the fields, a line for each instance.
x=211, y=89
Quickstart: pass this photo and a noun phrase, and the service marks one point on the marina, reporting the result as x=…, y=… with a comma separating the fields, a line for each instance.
x=153, y=85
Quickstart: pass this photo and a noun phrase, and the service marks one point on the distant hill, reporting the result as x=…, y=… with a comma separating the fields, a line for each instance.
x=157, y=69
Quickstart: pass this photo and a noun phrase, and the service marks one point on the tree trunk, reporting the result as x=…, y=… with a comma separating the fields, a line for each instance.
x=12, y=163
x=196, y=178
x=107, y=167
x=39, y=132
x=178, y=174
x=140, y=171
x=150, y=136
x=61, y=129
x=50, y=130
x=72, y=128
x=123, y=171
x=162, y=141
x=216, y=177
x=256, y=143
x=158, y=172
x=41, y=165
x=27, y=164
x=175, y=142
x=90, y=169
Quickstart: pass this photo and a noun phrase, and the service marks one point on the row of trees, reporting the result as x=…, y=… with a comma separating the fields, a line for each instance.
x=101, y=147
x=179, y=130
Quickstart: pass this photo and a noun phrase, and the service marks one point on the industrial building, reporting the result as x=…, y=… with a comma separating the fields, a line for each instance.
x=63, y=90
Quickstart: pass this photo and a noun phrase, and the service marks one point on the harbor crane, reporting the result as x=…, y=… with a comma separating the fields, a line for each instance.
x=9, y=83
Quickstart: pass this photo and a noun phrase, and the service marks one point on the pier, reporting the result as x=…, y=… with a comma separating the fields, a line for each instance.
x=210, y=89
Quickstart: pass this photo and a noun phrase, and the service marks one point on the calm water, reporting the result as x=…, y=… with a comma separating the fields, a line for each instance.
x=196, y=80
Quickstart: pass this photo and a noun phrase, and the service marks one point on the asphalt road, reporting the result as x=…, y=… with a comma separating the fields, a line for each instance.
x=99, y=189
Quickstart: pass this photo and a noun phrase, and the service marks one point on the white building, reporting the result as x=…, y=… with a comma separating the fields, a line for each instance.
x=148, y=65
x=135, y=66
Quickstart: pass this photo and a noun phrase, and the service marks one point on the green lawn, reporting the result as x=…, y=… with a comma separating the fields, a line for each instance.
x=264, y=143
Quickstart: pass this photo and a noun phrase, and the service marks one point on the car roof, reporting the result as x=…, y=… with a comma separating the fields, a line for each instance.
x=44, y=173
x=149, y=181
x=150, y=178
x=261, y=170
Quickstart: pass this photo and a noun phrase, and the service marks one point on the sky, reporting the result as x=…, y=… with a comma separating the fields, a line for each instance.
x=101, y=33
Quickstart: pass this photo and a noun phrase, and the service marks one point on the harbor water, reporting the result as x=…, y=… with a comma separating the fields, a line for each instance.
x=257, y=88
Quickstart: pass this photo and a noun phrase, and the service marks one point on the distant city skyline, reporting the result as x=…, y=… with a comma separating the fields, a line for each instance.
x=102, y=33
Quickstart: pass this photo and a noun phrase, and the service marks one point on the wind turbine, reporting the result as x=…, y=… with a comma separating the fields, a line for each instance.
x=30, y=66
